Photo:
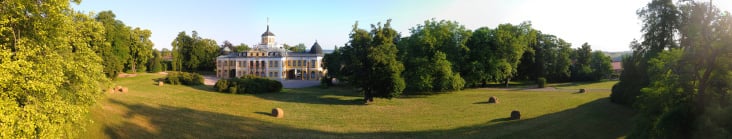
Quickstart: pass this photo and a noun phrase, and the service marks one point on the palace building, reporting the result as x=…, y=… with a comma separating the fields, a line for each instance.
x=271, y=60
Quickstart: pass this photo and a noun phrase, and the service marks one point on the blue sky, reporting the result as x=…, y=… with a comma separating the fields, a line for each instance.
x=606, y=25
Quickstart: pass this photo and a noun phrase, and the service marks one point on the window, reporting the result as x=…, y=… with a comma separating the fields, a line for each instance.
x=312, y=63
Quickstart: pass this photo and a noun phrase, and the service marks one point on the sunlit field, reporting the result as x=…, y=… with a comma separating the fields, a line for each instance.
x=151, y=111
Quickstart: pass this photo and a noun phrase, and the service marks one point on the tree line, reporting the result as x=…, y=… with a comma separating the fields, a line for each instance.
x=125, y=49
x=444, y=56
x=678, y=77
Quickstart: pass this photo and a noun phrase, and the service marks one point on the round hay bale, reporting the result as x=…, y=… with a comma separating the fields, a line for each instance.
x=123, y=90
x=118, y=88
x=582, y=90
x=515, y=115
x=110, y=90
x=160, y=83
x=493, y=99
x=277, y=112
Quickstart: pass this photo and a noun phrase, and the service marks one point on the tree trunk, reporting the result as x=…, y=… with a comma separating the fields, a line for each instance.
x=368, y=97
x=507, y=81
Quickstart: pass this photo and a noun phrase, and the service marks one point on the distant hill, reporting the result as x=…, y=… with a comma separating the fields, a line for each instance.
x=617, y=56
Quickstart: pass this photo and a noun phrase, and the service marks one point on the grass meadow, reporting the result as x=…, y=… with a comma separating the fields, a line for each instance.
x=176, y=111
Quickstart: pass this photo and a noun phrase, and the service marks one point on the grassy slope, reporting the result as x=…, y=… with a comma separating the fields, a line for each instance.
x=149, y=111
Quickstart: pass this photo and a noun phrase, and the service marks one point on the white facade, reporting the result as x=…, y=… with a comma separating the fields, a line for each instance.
x=270, y=60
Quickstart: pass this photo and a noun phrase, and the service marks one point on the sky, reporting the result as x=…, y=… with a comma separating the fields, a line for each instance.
x=605, y=25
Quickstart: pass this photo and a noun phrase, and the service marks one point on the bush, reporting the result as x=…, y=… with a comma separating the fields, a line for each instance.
x=184, y=78
x=232, y=90
x=222, y=85
x=248, y=84
x=541, y=82
x=173, y=78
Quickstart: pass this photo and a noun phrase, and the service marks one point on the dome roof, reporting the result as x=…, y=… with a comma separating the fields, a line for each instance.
x=315, y=49
x=267, y=33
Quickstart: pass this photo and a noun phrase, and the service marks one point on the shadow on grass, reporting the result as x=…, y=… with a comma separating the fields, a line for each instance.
x=315, y=96
x=483, y=102
x=574, y=84
x=501, y=119
x=264, y=113
x=596, y=119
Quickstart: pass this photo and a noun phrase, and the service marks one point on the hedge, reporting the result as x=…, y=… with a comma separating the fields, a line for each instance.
x=248, y=84
x=184, y=78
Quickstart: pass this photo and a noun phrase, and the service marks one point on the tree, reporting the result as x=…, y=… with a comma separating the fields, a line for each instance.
x=297, y=48
x=49, y=71
x=140, y=49
x=130, y=48
x=155, y=63
x=556, y=57
x=495, y=54
x=333, y=63
x=372, y=62
x=660, y=24
x=549, y=58
x=181, y=46
x=601, y=65
x=428, y=55
x=193, y=53
x=116, y=55
x=581, y=69
x=241, y=48
x=688, y=92
x=628, y=88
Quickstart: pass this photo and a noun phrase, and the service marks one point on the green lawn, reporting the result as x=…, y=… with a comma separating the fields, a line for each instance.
x=586, y=85
x=150, y=111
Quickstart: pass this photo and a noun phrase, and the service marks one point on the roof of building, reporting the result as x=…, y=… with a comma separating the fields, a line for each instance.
x=267, y=33
x=617, y=65
x=315, y=49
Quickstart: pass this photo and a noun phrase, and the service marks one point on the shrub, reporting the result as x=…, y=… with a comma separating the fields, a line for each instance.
x=248, y=84
x=184, y=78
x=173, y=78
x=222, y=85
x=232, y=90
x=541, y=82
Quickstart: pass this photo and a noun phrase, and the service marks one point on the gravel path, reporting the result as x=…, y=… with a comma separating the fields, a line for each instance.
x=210, y=79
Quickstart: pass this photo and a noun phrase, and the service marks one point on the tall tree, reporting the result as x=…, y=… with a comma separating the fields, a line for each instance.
x=241, y=47
x=155, y=63
x=550, y=58
x=181, y=46
x=116, y=55
x=194, y=53
x=581, y=69
x=601, y=65
x=333, y=63
x=429, y=53
x=49, y=71
x=140, y=49
x=297, y=48
x=495, y=54
x=660, y=24
x=372, y=62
